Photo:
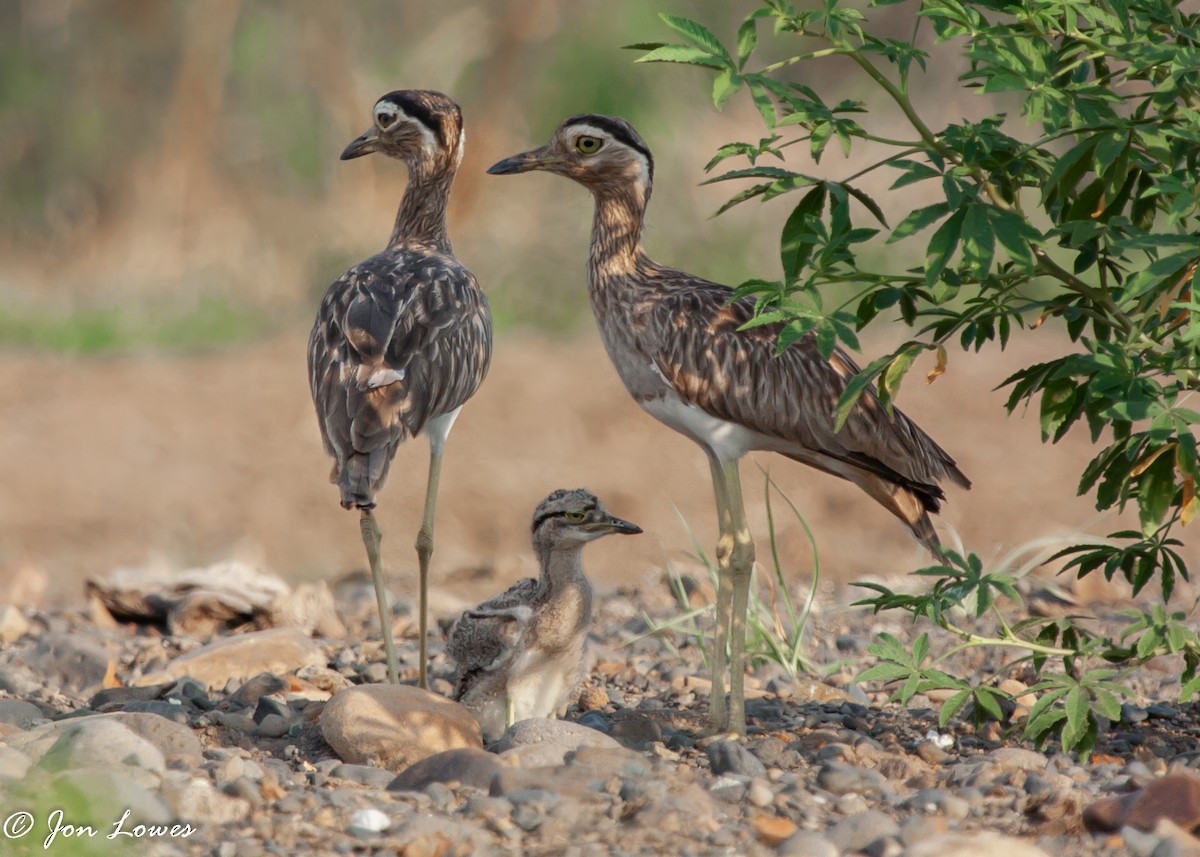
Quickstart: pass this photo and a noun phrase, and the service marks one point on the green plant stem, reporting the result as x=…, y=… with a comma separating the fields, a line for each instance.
x=812, y=55
x=905, y=106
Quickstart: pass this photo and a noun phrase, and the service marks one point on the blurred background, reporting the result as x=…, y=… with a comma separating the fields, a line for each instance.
x=172, y=208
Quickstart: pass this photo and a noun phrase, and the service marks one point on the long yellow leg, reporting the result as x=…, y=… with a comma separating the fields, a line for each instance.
x=716, y=707
x=372, y=538
x=424, y=548
x=741, y=566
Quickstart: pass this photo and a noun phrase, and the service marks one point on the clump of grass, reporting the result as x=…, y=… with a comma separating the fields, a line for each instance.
x=775, y=625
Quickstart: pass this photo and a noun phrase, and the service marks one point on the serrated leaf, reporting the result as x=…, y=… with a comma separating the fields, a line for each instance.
x=942, y=246
x=917, y=220
x=697, y=34
x=747, y=39
x=952, y=706
x=856, y=387
x=798, y=238
x=725, y=84
x=682, y=54
x=893, y=375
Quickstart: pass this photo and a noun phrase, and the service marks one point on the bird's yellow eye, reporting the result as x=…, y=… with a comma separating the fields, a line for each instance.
x=588, y=145
x=385, y=119
x=576, y=517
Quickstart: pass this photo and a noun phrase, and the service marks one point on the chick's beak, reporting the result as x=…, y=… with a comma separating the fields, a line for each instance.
x=534, y=159
x=363, y=145
x=617, y=525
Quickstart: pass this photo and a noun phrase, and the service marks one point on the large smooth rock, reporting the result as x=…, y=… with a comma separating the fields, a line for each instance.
x=107, y=745
x=73, y=662
x=1175, y=797
x=538, y=742
x=23, y=715
x=468, y=766
x=241, y=657
x=395, y=726
x=174, y=741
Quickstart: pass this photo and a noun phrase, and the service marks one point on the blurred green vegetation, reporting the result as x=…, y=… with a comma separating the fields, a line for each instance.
x=170, y=175
x=211, y=321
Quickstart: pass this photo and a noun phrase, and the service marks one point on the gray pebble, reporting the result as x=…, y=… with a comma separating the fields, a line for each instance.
x=1131, y=713
x=860, y=831
x=730, y=788
x=807, y=843
x=730, y=757
x=273, y=726
x=839, y=778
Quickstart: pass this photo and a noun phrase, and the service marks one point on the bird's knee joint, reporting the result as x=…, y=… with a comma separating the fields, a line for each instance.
x=424, y=544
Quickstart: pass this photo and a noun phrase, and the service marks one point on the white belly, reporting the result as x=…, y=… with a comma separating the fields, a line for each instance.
x=727, y=440
x=539, y=686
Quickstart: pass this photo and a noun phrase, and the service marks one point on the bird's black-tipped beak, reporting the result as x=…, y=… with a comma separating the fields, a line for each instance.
x=617, y=525
x=534, y=159
x=364, y=145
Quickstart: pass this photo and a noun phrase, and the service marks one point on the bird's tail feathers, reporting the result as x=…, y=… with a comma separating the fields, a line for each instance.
x=909, y=506
x=361, y=477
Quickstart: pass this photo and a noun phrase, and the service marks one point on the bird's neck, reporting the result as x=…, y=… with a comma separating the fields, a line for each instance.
x=562, y=569
x=422, y=215
x=616, y=248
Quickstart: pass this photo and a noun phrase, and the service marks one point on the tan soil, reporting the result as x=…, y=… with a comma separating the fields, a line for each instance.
x=190, y=459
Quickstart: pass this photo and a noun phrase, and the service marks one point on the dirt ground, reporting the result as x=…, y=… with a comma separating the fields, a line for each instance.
x=186, y=460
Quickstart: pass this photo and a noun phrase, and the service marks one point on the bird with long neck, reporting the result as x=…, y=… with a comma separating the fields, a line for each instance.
x=676, y=340
x=401, y=340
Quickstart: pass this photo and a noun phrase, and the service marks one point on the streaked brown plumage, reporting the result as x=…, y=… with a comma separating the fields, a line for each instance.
x=674, y=340
x=520, y=654
x=403, y=339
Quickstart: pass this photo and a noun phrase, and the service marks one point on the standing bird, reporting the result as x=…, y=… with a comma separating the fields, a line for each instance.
x=403, y=339
x=676, y=342
x=520, y=654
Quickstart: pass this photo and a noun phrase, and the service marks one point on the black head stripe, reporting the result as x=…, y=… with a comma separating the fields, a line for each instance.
x=591, y=506
x=419, y=110
x=620, y=130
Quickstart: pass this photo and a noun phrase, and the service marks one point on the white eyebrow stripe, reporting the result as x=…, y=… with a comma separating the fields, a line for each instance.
x=431, y=141
x=592, y=131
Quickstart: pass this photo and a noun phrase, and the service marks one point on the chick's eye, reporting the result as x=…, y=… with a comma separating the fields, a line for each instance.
x=588, y=145
x=576, y=517
x=385, y=119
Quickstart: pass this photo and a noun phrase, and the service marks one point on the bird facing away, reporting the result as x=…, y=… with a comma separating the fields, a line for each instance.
x=403, y=339
x=676, y=342
x=520, y=654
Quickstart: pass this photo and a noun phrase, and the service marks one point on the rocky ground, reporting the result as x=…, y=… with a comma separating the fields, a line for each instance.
x=118, y=736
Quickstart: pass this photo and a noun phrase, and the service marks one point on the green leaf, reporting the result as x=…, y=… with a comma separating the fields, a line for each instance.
x=747, y=39
x=798, y=238
x=725, y=84
x=978, y=240
x=917, y=220
x=682, y=54
x=889, y=382
x=942, y=246
x=857, y=385
x=698, y=35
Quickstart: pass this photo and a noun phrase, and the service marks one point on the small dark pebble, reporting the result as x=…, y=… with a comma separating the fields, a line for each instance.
x=250, y=692
x=123, y=695
x=268, y=705
x=594, y=720
x=191, y=691
x=1133, y=713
